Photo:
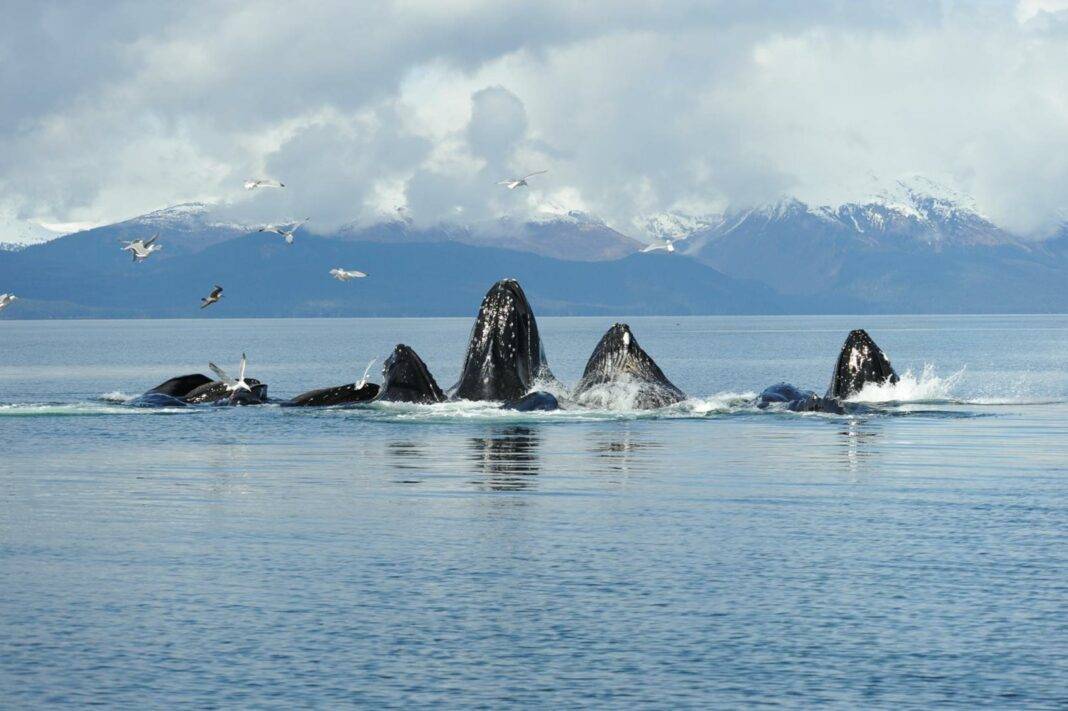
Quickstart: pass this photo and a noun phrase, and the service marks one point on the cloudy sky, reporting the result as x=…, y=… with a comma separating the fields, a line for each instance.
x=634, y=107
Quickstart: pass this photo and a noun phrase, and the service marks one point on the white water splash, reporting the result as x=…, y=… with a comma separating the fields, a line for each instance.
x=117, y=396
x=927, y=387
x=720, y=403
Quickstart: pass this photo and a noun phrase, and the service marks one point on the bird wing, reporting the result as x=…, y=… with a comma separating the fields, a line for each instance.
x=505, y=182
x=150, y=242
x=244, y=362
x=216, y=291
x=357, y=274
x=220, y=373
x=536, y=172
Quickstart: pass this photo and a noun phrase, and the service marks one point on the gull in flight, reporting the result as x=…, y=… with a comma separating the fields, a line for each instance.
x=253, y=183
x=345, y=275
x=211, y=298
x=141, y=249
x=288, y=234
x=231, y=384
x=6, y=299
x=666, y=245
x=513, y=183
x=366, y=372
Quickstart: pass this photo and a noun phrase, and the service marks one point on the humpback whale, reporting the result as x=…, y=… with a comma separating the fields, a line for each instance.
x=197, y=389
x=405, y=378
x=217, y=392
x=860, y=362
x=505, y=357
x=620, y=371
x=181, y=386
x=537, y=400
x=350, y=394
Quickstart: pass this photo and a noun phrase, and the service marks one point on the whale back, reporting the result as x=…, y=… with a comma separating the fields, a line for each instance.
x=405, y=378
x=504, y=355
x=180, y=386
x=216, y=391
x=340, y=395
x=620, y=371
x=860, y=362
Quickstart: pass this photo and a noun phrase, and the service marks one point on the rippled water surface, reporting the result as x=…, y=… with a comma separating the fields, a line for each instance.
x=709, y=555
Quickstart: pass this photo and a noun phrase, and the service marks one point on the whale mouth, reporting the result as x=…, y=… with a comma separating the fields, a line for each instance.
x=504, y=356
x=861, y=362
x=405, y=378
x=620, y=371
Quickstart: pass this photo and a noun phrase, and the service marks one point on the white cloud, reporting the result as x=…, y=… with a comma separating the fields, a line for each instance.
x=634, y=109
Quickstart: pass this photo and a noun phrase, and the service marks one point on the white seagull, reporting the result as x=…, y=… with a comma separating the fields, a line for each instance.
x=253, y=183
x=345, y=275
x=666, y=245
x=513, y=183
x=6, y=299
x=231, y=384
x=211, y=298
x=288, y=234
x=141, y=249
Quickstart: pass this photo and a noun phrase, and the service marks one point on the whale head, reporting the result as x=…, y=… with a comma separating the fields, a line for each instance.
x=504, y=355
x=860, y=362
x=405, y=378
x=620, y=373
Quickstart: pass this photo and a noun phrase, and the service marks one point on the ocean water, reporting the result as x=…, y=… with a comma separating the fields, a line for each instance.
x=710, y=555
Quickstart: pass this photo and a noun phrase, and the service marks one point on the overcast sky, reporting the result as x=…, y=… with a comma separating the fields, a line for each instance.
x=111, y=110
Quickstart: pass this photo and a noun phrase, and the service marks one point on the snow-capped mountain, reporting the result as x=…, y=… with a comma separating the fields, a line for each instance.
x=903, y=249
x=17, y=234
x=573, y=235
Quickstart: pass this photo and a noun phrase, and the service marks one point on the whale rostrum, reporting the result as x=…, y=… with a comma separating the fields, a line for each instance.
x=405, y=378
x=505, y=357
x=620, y=371
x=860, y=362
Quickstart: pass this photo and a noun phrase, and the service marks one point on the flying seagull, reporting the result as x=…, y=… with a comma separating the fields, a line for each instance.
x=6, y=299
x=253, y=183
x=231, y=384
x=141, y=249
x=211, y=298
x=513, y=183
x=666, y=245
x=345, y=275
x=288, y=234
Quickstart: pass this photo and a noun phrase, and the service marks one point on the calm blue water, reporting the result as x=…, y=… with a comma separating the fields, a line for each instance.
x=710, y=556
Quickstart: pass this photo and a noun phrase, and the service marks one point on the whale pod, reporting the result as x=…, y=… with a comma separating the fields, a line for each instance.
x=405, y=378
x=620, y=372
x=504, y=357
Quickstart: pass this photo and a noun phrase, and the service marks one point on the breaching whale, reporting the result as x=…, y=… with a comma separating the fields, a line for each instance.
x=619, y=371
x=504, y=357
x=859, y=363
x=405, y=378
